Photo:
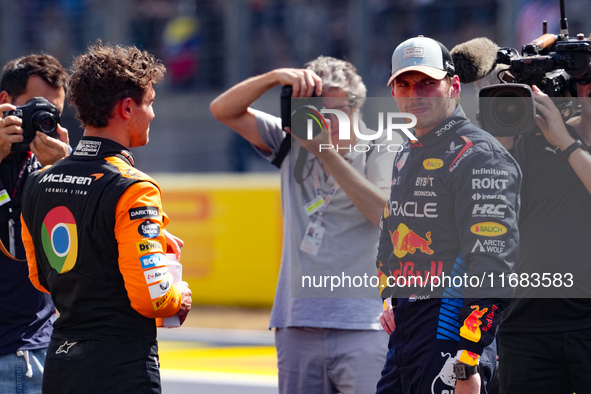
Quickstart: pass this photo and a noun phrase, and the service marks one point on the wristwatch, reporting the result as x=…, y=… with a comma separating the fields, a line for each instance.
x=464, y=371
x=573, y=147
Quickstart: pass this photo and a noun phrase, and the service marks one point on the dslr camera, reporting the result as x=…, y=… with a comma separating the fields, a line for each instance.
x=551, y=62
x=287, y=113
x=37, y=114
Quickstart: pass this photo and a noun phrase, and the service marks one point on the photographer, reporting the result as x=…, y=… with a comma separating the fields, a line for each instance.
x=27, y=314
x=324, y=345
x=545, y=343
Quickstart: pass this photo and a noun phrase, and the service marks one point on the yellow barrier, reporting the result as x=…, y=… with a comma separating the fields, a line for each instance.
x=232, y=229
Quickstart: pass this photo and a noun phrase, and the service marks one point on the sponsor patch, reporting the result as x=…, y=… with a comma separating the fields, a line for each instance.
x=424, y=181
x=489, y=210
x=160, y=289
x=432, y=164
x=149, y=229
x=489, y=184
x=458, y=160
x=402, y=161
x=160, y=303
x=59, y=237
x=156, y=274
x=413, y=52
x=413, y=209
x=144, y=213
x=65, y=347
x=488, y=229
x=489, y=245
x=87, y=148
x=71, y=179
x=425, y=193
x=144, y=247
x=453, y=148
x=478, y=196
x=153, y=260
x=489, y=171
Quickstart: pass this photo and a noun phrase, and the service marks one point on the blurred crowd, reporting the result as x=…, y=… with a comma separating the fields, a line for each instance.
x=209, y=45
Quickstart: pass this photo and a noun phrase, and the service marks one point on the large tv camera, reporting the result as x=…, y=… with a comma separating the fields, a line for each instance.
x=554, y=63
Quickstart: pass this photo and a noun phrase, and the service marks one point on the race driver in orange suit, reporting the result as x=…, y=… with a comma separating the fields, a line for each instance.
x=93, y=228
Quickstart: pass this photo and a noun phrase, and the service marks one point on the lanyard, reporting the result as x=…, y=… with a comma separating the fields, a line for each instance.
x=328, y=198
x=11, y=224
x=19, y=180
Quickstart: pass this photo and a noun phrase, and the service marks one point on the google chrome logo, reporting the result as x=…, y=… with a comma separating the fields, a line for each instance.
x=60, y=239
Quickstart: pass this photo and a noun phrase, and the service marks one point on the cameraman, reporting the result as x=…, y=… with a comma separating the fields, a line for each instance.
x=324, y=345
x=545, y=343
x=27, y=314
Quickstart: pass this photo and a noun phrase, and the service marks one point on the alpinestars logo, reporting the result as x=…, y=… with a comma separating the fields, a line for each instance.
x=453, y=147
x=65, y=347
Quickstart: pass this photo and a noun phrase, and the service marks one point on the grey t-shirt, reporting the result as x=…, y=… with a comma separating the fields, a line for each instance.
x=336, y=287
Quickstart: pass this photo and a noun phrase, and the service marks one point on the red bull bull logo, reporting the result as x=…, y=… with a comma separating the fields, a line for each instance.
x=407, y=241
x=471, y=328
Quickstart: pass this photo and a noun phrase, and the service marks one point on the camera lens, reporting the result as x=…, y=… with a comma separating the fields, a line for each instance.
x=44, y=121
x=307, y=122
x=507, y=109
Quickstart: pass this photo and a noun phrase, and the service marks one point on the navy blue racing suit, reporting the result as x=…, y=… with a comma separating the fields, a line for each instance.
x=449, y=239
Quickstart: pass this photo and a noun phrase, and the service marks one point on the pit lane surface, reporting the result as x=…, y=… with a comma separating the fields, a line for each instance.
x=217, y=361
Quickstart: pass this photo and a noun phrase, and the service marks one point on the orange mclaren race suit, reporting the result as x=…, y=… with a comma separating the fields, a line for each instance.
x=449, y=237
x=92, y=229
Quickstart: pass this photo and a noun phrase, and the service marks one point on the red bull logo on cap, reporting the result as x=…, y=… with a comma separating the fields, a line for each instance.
x=407, y=241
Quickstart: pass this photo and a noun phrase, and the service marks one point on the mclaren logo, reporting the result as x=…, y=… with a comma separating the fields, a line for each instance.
x=71, y=179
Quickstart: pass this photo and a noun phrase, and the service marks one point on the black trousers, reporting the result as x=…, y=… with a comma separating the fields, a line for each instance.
x=100, y=366
x=549, y=363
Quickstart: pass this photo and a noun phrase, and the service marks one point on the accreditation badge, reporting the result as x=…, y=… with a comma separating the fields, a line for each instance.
x=314, y=206
x=4, y=197
x=312, y=238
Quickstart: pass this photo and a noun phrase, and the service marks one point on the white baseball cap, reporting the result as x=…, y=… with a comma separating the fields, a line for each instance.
x=422, y=54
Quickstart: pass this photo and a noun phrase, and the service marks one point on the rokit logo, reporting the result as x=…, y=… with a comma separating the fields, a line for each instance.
x=489, y=183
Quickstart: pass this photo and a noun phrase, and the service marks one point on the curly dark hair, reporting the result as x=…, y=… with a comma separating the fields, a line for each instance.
x=17, y=72
x=105, y=75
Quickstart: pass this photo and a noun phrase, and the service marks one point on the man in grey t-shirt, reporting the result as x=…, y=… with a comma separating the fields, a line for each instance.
x=327, y=341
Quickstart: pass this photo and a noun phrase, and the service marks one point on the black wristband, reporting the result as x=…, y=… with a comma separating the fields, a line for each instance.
x=573, y=147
